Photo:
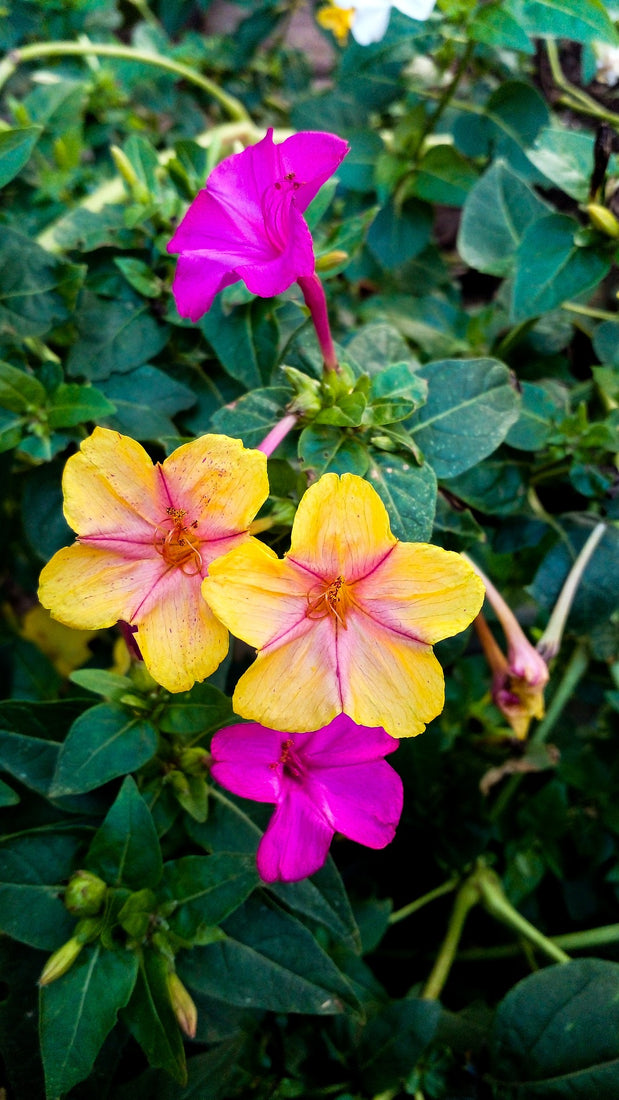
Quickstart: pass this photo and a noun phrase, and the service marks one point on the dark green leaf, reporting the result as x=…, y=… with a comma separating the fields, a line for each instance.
x=493, y=487
x=505, y=127
x=72, y=404
x=268, y=960
x=114, y=336
x=16, y=145
x=31, y=760
x=102, y=743
x=332, y=450
x=151, y=1020
x=232, y=337
x=8, y=797
x=580, y=20
x=408, y=493
x=552, y=268
x=126, y=848
x=471, y=406
x=565, y=158
x=32, y=871
x=444, y=176
x=20, y=392
x=207, y=889
x=497, y=24
x=79, y=1010
x=531, y=430
x=253, y=415
x=199, y=711
x=556, y=1033
x=596, y=596
x=144, y=401
x=397, y=236
x=394, y=1040
x=34, y=286
x=496, y=213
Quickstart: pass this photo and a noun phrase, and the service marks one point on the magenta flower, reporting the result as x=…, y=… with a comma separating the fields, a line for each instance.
x=332, y=780
x=247, y=223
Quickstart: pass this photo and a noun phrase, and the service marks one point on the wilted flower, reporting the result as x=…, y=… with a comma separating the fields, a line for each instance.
x=332, y=780
x=368, y=19
x=146, y=537
x=346, y=622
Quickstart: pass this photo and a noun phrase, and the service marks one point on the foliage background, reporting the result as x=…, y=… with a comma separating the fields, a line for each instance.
x=473, y=295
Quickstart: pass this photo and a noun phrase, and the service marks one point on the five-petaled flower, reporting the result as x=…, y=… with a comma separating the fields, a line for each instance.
x=146, y=537
x=332, y=780
x=247, y=223
x=368, y=19
x=347, y=620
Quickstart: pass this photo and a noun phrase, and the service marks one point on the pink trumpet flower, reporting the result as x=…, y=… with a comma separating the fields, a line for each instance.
x=247, y=223
x=332, y=780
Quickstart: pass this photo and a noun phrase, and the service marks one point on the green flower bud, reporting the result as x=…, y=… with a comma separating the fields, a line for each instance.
x=184, y=1008
x=61, y=961
x=85, y=894
x=194, y=761
x=603, y=220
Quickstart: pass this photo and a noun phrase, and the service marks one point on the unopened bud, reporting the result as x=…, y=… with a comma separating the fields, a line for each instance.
x=184, y=1008
x=85, y=894
x=61, y=961
x=331, y=259
x=194, y=761
x=603, y=219
x=125, y=168
x=307, y=391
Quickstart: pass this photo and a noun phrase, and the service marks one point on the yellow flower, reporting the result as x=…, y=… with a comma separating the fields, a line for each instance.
x=336, y=19
x=347, y=620
x=147, y=535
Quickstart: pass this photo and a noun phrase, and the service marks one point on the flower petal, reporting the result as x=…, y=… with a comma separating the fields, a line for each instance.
x=415, y=9
x=343, y=742
x=341, y=527
x=313, y=156
x=257, y=596
x=197, y=280
x=386, y=679
x=296, y=842
x=219, y=482
x=244, y=756
x=180, y=639
x=89, y=588
x=295, y=685
x=370, y=23
x=364, y=801
x=422, y=591
x=273, y=275
x=111, y=486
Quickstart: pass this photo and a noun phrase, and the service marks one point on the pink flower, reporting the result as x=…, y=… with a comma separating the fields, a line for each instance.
x=332, y=780
x=247, y=223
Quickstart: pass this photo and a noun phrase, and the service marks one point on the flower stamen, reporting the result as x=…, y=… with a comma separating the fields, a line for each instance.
x=328, y=598
x=178, y=546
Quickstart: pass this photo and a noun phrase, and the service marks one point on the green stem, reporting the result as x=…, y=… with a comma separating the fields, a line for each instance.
x=590, y=311
x=574, y=97
x=571, y=941
x=413, y=906
x=575, y=670
x=34, y=52
x=466, y=898
x=494, y=901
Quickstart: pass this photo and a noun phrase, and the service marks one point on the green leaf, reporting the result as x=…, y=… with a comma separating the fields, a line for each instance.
x=471, y=406
x=394, y=1040
x=408, y=493
x=125, y=850
x=565, y=157
x=101, y=682
x=73, y=404
x=207, y=889
x=606, y=343
x=19, y=391
x=253, y=415
x=325, y=449
x=144, y=400
x=356, y=172
x=444, y=176
x=497, y=24
x=496, y=213
x=268, y=960
x=31, y=760
x=374, y=347
x=532, y=429
x=113, y=336
x=16, y=145
x=12, y=428
x=580, y=20
x=35, y=287
x=32, y=870
x=144, y=161
x=102, y=743
x=347, y=413
x=78, y=1011
x=556, y=1033
x=596, y=596
x=552, y=268
x=397, y=236
x=151, y=1020
x=233, y=338
x=506, y=126
x=199, y=711
x=492, y=487
x=8, y=797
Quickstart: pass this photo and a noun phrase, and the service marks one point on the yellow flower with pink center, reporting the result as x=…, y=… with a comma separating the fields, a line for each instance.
x=147, y=534
x=345, y=623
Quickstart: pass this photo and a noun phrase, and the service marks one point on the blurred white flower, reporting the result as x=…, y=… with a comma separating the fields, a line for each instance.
x=368, y=19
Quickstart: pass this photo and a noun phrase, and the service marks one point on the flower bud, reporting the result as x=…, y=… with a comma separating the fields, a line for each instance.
x=331, y=260
x=61, y=961
x=85, y=894
x=184, y=1008
x=194, y=761
x=603, y=219
x=125, y=168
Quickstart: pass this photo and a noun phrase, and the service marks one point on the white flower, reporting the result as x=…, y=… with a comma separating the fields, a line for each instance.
x=368, y=19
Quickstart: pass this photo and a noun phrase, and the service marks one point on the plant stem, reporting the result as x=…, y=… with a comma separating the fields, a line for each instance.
x=37, y=50
x=572, y=941
x=466, y=898
x=574, y=97
x=275, y=436
x=413, y=906
x=314, y=295
x=494, y=901
x=590, y=311
x=550, y=642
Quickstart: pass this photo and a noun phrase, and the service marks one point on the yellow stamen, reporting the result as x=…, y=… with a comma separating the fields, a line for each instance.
x=337, y=20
